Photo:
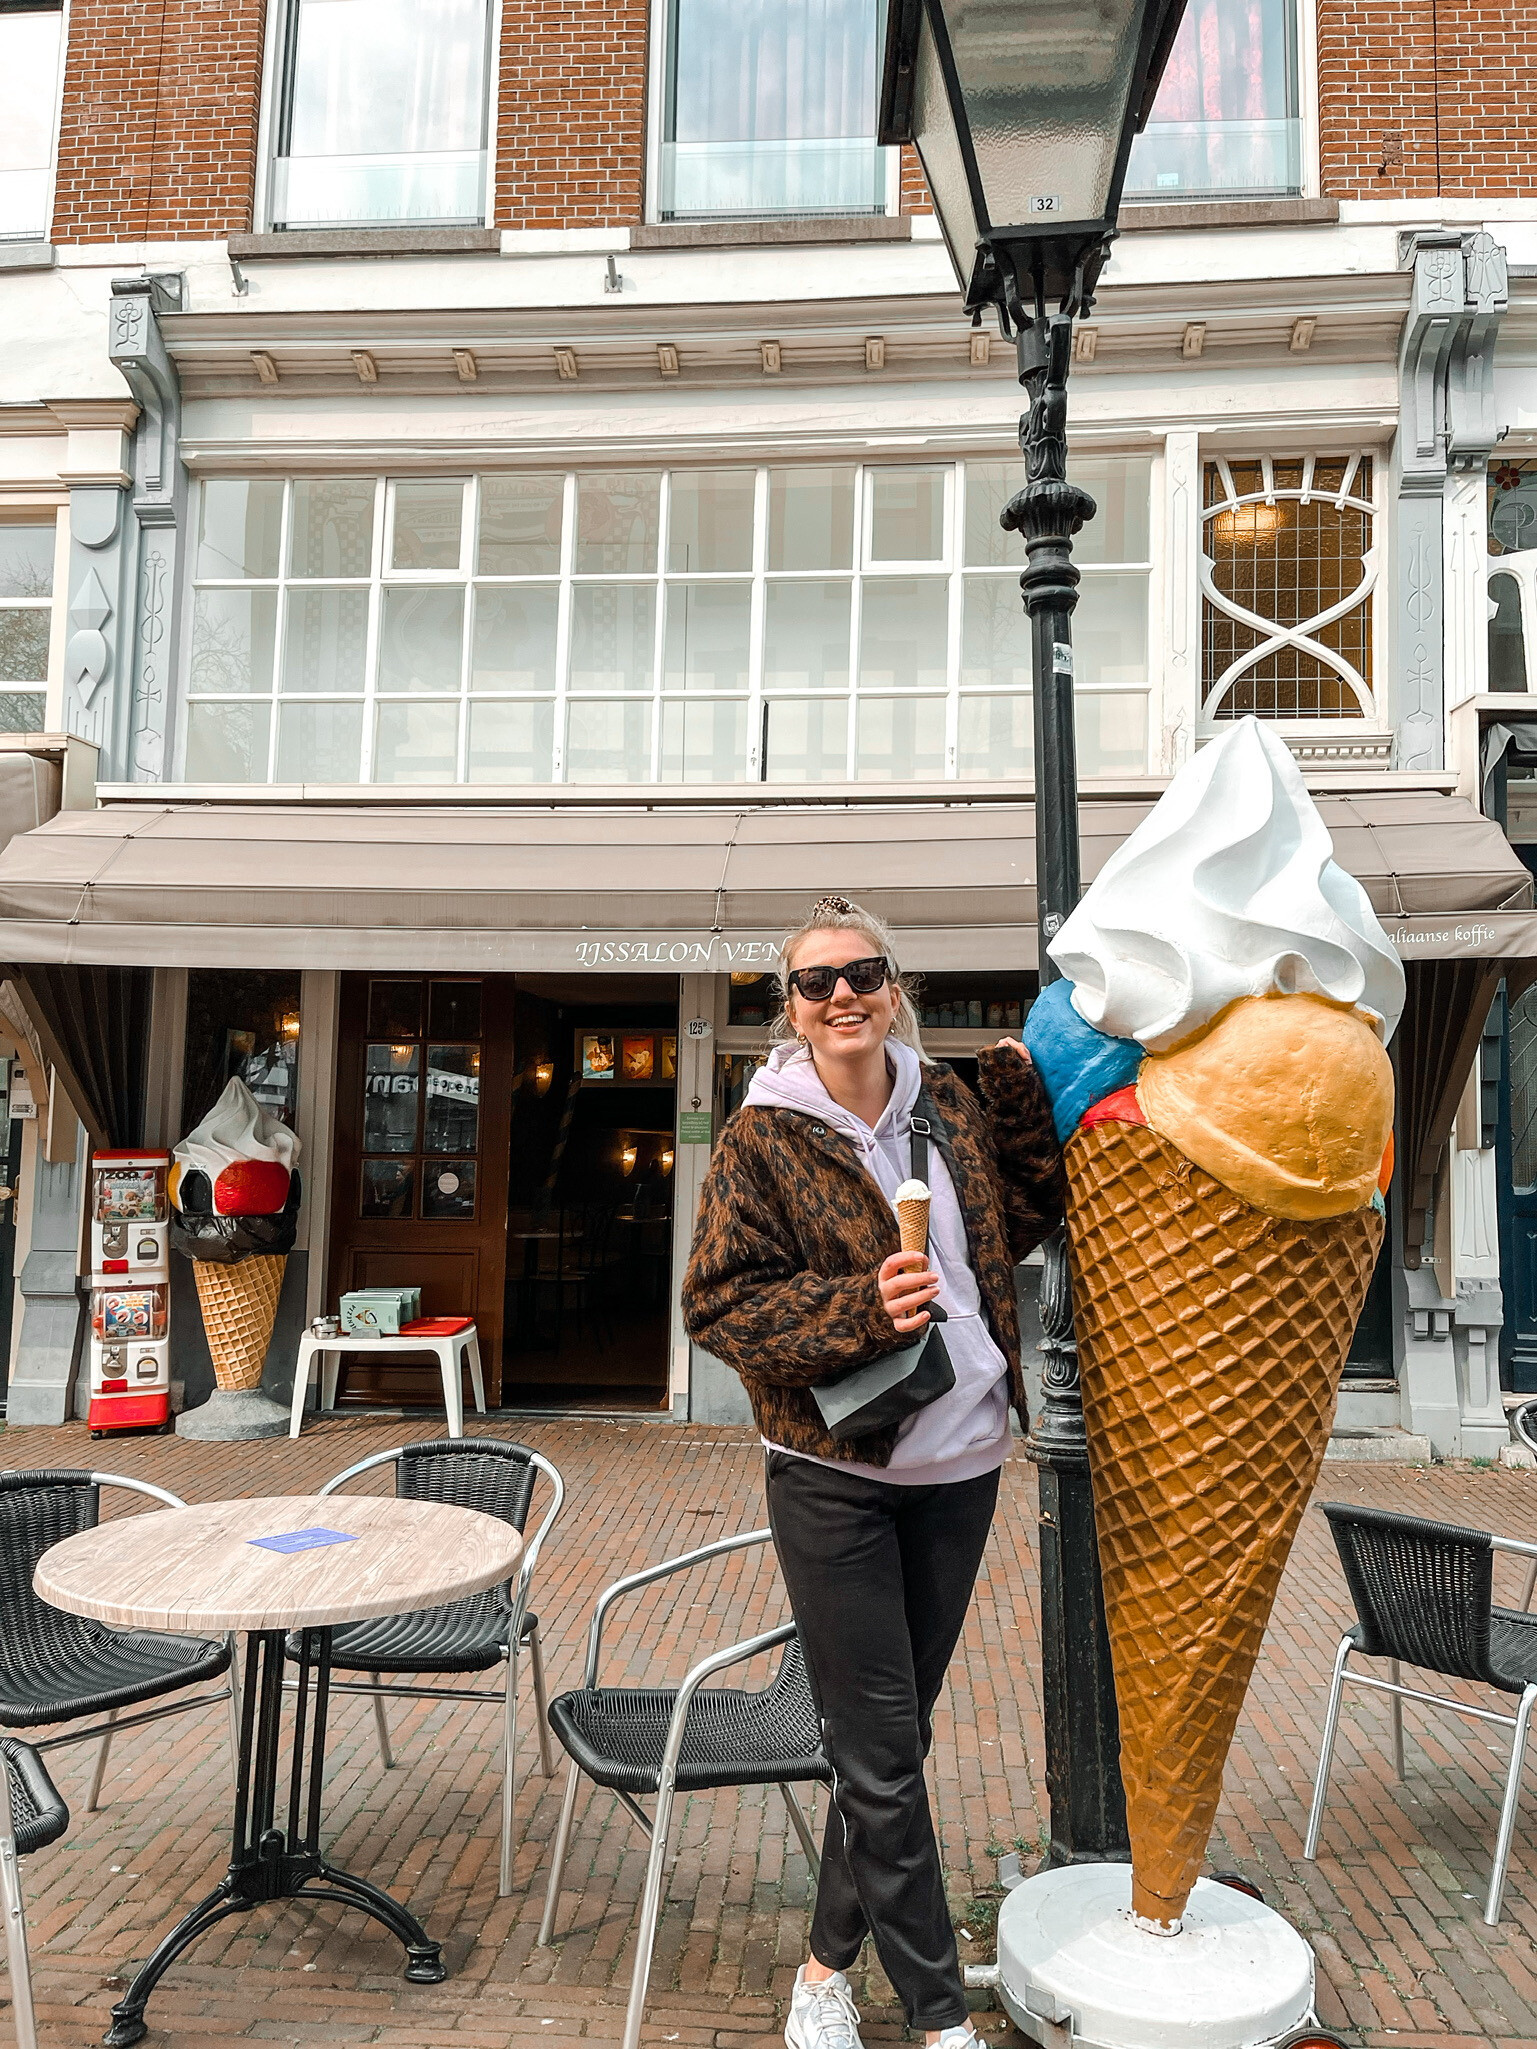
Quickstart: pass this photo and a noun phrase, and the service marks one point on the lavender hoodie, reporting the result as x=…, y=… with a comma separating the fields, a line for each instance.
x=966, y=1432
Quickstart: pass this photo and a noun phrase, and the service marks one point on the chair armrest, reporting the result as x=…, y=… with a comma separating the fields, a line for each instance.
x=160, y=1494
x=531, y=1549
x=364, y=1465
x=636, y=1580
x=734, y=1654
x=1514, y=1544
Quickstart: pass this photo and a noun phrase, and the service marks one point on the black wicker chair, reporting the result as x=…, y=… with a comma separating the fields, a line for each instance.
x=31, y=1817
x=684, y=1738
x=474, y=1635
x=1424, y=1596
x=56, y=1667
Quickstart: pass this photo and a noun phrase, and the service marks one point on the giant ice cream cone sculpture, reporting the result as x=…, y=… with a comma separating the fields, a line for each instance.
x=1224, y=1218
x=235, y=1196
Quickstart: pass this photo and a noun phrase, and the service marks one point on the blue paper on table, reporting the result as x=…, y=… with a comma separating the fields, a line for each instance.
x=303, y=1540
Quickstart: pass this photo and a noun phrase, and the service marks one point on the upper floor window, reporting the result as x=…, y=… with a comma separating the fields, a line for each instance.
x=794, y=623
x=381, y=115
x=1288, y=566
x=1512, y=574
x=26, y=615
x=769, y=108
x=31, y=53
x=1226, y=123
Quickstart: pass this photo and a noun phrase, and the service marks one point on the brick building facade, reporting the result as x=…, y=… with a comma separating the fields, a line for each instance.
x=441, y=428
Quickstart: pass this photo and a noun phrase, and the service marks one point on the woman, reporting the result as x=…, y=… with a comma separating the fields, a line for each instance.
x=796, y=1277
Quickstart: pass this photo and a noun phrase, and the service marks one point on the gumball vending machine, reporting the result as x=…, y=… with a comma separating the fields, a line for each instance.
x=130, y=1292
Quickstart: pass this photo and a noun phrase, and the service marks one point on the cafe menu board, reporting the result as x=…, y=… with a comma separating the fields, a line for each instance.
x=619, y=1058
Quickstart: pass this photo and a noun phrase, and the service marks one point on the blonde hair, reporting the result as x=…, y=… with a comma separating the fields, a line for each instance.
x=837, y=914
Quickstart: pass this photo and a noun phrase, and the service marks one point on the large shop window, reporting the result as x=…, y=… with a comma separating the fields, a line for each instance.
x=803, y=624
x=26, y=613
x=1288, y=566
x=31, y=54
x=769, y=108
x=1226, y=123
x=381, y=114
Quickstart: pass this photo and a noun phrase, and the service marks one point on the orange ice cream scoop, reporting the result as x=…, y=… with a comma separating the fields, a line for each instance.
x=1286, y=1100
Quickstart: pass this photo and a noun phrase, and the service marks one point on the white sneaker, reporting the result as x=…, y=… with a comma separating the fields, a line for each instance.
x=960, y=2038
x=822, y=2015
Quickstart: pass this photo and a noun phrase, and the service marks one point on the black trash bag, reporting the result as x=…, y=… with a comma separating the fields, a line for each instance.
x=225, y=1240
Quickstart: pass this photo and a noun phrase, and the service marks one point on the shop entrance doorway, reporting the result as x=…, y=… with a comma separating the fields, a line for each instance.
x=506, y=1144
x=419, y=1180
x=589, y=1268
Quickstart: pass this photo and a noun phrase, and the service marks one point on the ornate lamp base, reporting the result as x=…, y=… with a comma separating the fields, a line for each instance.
x=1075, y=1971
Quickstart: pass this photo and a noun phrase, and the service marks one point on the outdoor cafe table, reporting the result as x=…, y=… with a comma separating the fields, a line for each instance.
x=199, y=1570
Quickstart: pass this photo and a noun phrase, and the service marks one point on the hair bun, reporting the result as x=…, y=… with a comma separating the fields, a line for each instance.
x=836, y=906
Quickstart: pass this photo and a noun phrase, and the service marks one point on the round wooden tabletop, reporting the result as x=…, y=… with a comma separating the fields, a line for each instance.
x=198, y=1569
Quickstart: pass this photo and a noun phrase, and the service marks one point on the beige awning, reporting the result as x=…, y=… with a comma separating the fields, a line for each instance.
x=460, y=887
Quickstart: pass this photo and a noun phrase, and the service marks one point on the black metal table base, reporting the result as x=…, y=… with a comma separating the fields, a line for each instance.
x=268, y=1862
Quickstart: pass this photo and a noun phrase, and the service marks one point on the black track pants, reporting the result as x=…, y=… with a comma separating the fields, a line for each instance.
x=880, y=1578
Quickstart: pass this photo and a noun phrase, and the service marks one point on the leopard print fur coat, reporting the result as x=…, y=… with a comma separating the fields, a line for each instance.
x=781, y=1283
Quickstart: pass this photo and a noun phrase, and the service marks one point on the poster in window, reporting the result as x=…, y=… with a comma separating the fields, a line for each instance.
x=597, y=1056
x=639, y=1059
x=669, y=1064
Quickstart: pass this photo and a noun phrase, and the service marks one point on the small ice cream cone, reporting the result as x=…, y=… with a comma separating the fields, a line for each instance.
x=240, y=1306
x=1211, y=1339
x=911, y=1203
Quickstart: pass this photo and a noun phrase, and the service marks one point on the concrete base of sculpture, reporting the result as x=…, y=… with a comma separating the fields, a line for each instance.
x=232, y=1415
x=1075, y=1971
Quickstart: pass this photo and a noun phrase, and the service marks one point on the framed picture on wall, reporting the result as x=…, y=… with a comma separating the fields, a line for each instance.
x=669, y=1062
x=597, y=1056
x=639, y=1059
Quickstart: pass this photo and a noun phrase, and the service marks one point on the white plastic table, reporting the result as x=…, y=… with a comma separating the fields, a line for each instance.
x=460, y=1348
x=199, y=1570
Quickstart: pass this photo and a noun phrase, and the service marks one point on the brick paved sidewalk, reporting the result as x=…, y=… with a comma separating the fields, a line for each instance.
x=1393, y=1908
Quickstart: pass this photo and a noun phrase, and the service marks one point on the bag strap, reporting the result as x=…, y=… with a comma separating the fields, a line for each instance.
x=921, y=1132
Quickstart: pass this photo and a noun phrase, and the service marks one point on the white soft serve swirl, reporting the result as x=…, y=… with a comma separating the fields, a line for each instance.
x=1228, y=888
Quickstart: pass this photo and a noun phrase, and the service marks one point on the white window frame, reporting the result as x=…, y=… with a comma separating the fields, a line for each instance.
x=950, y=568
x=45, y=232
x=656, y=117
x=45, y=512
x=280, y=14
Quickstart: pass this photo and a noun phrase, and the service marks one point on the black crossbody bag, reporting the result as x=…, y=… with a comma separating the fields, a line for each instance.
x=887, y=1390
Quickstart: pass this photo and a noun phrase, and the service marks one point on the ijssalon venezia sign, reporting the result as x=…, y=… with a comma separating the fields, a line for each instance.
x=701, y=955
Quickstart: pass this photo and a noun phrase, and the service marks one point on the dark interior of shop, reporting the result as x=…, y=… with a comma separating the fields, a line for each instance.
x=590, y=1192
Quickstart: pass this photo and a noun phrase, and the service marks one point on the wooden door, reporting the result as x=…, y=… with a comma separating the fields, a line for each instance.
x=423, y=1119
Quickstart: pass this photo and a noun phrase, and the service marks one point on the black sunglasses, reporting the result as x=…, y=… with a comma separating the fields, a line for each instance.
x=864, y=977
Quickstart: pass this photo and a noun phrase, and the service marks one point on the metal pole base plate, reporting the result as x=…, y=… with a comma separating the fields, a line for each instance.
x=1076, y=1972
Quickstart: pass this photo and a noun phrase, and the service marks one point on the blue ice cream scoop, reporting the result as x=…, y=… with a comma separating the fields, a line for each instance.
x=1078, y=1065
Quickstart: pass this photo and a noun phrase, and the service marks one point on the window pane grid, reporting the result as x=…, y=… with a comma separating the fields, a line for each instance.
x=755, y=623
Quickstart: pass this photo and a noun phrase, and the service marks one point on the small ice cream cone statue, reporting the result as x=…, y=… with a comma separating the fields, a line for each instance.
x=234, y=1196
x=911, y=1203
x=1224, y=1217
x=240, y=1306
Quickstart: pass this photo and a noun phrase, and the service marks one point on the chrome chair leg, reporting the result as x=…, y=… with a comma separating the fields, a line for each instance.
x=1508, y=1809
x=541, y=1702
x=509, y=1766
x=382, y=1728
x=15, y=1920
x=234, y=1706
x=650, y=1910
x=1530, y=1588
x=99, y=1771
x=558, y=1859
x=1326, y=1750
x=1398, y=1720
x=803, y=1830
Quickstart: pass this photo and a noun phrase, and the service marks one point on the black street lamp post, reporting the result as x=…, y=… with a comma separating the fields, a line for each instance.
x=1023, y=113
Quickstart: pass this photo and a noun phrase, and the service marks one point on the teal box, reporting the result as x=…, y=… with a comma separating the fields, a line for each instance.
x=379, y=1312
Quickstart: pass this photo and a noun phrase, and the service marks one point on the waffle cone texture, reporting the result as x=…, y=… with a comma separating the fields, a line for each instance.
x=1211, y=1339
x=240, y=1306
x=913, y=1223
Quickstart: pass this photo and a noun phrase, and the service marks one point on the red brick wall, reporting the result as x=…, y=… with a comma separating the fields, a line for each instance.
x=157, y=137
x=1417, y=100
x=571, y=121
